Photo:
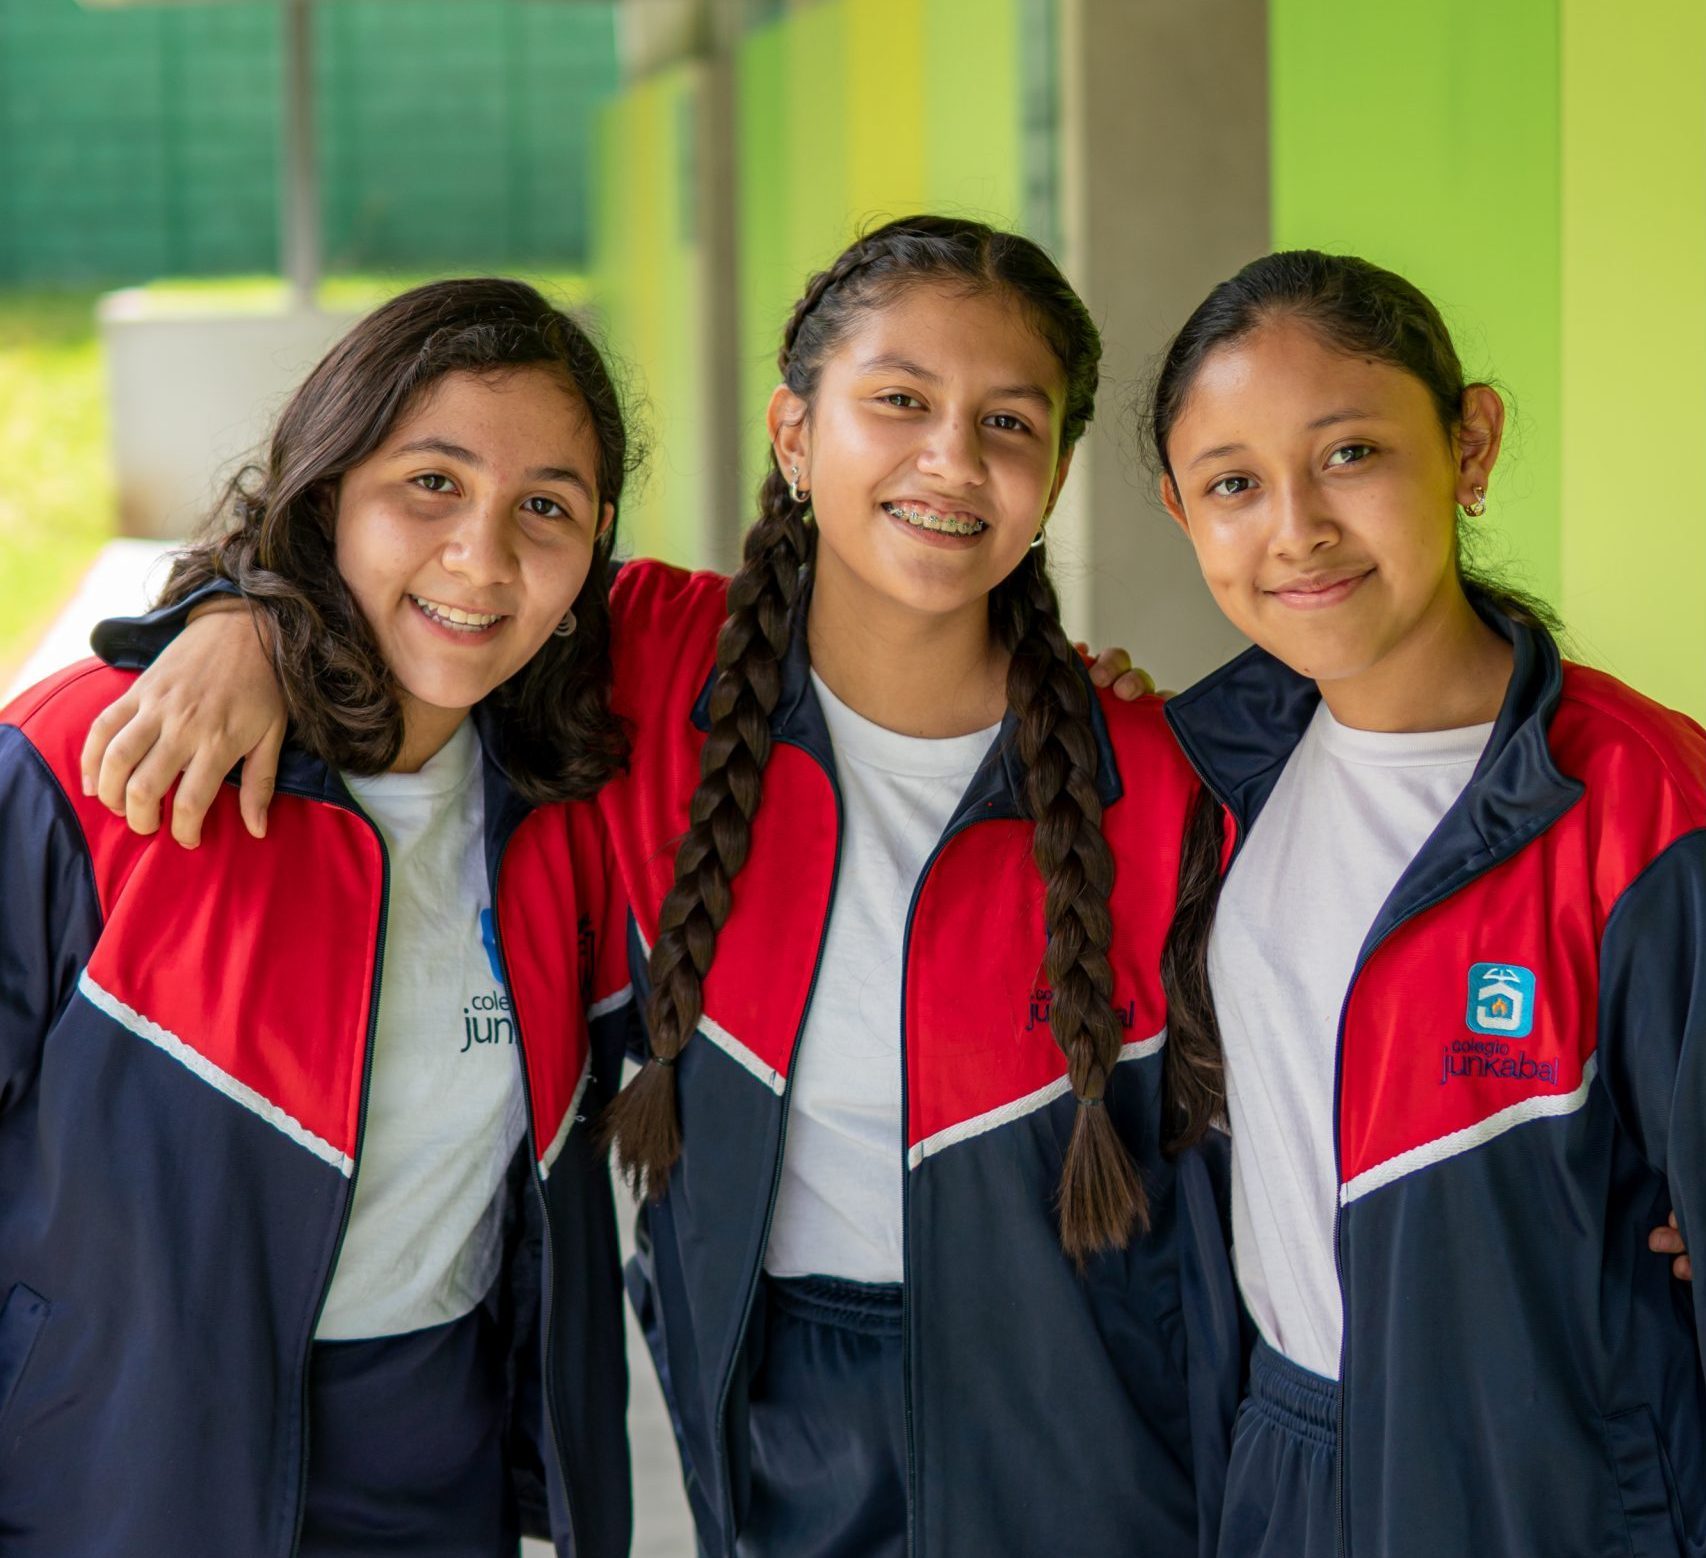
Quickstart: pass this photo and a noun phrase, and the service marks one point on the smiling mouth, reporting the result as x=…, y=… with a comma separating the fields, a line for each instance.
x=454, y=618
x=1323, y=590
x=919, y=517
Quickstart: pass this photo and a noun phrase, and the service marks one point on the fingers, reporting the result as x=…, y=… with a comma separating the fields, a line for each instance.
x=1668, y=1241
x=125, y=752
x=195, y=795
x=1109, y=666
x=108, y=723
x=260, y=774
x=1135, y=683
x=145, y=789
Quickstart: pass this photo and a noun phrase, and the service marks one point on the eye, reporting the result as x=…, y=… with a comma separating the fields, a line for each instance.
x=545, y=508
x=901, y=401
x=434, y=481
x=1230, y=486
x=1008, y=423
x=1352, y=454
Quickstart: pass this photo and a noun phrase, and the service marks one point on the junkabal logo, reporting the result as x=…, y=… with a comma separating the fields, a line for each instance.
x=1501, y=1000
x=489, y=935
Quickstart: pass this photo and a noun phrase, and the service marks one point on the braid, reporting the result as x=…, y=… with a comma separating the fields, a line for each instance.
x=643, y=1119
x=1194, y=1068
x=1101, y=1196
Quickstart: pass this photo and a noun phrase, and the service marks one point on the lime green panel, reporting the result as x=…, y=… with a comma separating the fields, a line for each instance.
x=647, y=284
x=886, y=96
x=817, y=222
x=1423, y=135
x=1634, y=306
x=973, y=107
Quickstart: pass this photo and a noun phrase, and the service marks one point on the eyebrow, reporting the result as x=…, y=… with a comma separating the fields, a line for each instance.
x=560, y=473
x=892, y=362
x=1331, y=419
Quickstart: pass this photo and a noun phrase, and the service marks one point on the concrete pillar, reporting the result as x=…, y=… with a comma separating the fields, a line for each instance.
x=1164, y=193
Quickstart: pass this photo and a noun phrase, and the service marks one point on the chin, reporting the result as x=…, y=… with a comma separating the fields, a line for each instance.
x=451, y=693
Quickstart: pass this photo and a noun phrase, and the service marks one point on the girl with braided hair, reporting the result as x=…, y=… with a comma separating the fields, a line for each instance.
x=900, y=878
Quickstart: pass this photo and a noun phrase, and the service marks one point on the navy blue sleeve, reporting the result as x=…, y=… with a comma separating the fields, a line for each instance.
x=134, y=643
x=1652, y=1010
x=50, y=916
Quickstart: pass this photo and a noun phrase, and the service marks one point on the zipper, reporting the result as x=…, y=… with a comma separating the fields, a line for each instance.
x=906, y=1364
x=776, y=1168
x=1453, y=886
x=348, y=804
x=548, y=1297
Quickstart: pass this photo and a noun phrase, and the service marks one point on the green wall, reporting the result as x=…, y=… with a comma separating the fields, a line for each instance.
x=1539, y=168
x=1634, y=341
x=648, y=290
x=847, y=112
x=143, y=141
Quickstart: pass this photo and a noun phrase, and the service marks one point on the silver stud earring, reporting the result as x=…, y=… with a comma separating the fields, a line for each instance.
x=1479, y=507
x=564, y=628
x=794, y=485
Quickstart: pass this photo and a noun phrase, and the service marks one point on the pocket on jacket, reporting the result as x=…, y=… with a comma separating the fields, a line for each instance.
x=21, y=1320
x=1643, y=1483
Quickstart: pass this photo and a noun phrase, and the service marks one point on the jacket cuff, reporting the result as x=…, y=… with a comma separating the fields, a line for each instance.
x=134, y=643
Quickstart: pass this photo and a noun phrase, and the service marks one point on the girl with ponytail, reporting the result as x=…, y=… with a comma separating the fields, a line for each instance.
x=916, y=1273
x=1452, y=991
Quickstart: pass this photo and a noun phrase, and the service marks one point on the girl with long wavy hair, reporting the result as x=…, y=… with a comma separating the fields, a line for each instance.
x=305, y=1248
x=914, y=1268
x=1451, y=992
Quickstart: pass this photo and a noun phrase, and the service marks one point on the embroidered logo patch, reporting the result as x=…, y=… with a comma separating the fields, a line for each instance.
x=1501, y=1000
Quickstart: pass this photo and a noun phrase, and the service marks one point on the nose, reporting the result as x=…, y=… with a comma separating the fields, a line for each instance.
x=953, y=451
x=480, y=548
x=1302, y=522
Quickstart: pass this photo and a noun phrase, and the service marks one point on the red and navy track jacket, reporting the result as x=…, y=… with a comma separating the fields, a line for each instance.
x=1047, y=1412
x=1520, y=1096
x=184, y=1042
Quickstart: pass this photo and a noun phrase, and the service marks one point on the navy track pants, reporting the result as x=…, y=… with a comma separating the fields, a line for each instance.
x=1281, y=1498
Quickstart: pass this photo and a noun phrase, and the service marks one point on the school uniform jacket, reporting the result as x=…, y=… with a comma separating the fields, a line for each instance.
x=185, y=1040
x=1520, y=1095
x=1046, y=1412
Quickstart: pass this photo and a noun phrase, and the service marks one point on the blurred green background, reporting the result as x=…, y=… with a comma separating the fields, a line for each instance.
x=1538, y=166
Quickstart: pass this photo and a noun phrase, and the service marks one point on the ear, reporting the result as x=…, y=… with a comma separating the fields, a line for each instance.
x=1480, y=434
x=606, y=518
x=1061, y=468
x=1170, y=502
x=790, y=432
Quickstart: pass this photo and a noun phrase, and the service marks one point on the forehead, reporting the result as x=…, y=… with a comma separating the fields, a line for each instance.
x=1282, y=377
x=983, y=335
x=511, y=408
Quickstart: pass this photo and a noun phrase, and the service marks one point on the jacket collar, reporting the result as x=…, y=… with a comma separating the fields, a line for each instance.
x=301, y=773
x=1239, y=726
x=996, y=790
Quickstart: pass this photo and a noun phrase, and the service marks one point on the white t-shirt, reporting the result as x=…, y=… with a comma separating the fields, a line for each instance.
x=838, y=1209
x=445, y=1109
x=1350, y=811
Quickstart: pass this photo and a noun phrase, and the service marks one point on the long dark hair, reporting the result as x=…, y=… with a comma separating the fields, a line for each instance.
x=1364, y=311
x=273, y=535
x=1101, y=1197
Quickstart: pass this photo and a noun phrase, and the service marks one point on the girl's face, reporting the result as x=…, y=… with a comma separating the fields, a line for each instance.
x=467, y=534
x=930, y=448
x=1320, y=491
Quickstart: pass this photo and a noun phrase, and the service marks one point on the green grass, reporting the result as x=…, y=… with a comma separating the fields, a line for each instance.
x=56, y=482
x=56, y=486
